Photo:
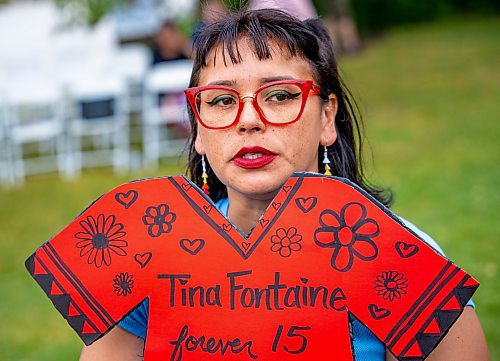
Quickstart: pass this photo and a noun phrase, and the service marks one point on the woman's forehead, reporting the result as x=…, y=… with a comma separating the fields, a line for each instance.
x=251, y=70
x=243, y=48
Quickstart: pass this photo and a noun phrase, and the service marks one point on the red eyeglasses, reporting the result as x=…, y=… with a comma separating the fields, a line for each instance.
x=280, y=103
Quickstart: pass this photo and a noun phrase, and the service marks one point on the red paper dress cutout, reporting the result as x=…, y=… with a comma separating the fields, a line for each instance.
x=323, y=249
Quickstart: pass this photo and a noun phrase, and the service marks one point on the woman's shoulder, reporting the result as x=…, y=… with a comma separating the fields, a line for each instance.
x=422, y=235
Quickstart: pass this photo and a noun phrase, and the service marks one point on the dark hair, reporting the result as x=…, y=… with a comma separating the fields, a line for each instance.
x=308, y=39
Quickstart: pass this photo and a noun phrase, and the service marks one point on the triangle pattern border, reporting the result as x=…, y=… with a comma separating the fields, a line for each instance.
x=427, y=342
x=62, y=301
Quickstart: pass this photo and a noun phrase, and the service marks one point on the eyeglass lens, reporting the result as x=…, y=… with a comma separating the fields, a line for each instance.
x=279, y=103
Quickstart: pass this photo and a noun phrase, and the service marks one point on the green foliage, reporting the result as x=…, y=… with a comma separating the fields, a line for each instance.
x=88, y=11
x=430, y=97
x=374, y=15
x=235, y=4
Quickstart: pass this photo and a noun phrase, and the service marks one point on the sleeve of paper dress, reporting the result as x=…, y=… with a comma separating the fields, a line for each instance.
x=323, y=249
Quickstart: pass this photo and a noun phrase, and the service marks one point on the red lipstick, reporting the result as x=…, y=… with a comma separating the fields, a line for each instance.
x=253, y=157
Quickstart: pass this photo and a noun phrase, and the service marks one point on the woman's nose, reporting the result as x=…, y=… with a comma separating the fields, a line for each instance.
x=249, y=118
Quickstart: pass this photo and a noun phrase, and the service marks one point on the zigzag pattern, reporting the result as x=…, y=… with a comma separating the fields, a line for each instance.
x=440, y=321
x=62, y=301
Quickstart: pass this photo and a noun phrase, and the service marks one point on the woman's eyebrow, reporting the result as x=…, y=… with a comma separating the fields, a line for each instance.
x=261, y=81
x=270, y=79
x=230, y=83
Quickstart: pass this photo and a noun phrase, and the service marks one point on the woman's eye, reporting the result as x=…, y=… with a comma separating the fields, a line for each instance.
x=222, y=101
x=281, y=96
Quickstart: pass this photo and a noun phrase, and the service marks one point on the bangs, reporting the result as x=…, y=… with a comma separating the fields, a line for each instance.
x=282, y=33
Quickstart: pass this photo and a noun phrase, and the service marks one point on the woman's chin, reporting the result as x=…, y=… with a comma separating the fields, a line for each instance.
x=259, y=187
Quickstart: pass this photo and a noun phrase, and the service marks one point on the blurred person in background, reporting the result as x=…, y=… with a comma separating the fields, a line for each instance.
x=170, y=44
x=212, y=10
x=209, y=11
x=301, y=9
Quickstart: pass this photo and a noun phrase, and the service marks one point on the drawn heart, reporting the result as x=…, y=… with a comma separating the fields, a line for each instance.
x=406, y=250
x=186, y=186
x=276, y=205
x=287, y=188
x=306, y=204
x=143, y=259
x=207, y=208
x=227, y=227
x=378, y=313
x=183, y=282
x=263, y=222
x=192, y=247
x=126, y=199
x=245, y=245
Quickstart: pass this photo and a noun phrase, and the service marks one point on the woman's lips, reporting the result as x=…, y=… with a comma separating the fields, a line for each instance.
x=253, y=157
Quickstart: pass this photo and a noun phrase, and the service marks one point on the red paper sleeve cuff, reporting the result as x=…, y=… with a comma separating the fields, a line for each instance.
x=431, y=316
x=76, y=304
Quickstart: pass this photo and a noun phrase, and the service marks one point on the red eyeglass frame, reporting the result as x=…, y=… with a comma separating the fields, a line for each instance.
x=306, y=86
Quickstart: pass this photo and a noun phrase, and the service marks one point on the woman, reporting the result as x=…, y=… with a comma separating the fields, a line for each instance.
x=245, y=64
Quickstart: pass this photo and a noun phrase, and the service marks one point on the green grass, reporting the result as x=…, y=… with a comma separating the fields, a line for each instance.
x=31, y=328
x=430, y=98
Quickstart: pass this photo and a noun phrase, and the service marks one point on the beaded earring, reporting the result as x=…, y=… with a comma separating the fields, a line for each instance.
x=204, y=176
x=326, y=161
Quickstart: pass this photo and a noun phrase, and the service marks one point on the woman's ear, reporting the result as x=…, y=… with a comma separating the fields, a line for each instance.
x=329, y=111
x=198, y=144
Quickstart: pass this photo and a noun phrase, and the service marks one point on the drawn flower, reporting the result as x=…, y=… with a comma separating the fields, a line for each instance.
x=349, y=234
x=286, y=241
x=100, y=238
x=158, y=219
x=390, y=285
x=123, y=284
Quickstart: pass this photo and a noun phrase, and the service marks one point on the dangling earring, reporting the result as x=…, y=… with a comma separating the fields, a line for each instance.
x=204, y=175
x=326, y=161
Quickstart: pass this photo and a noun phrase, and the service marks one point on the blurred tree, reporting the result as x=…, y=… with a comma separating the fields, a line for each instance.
x=88, y=11
x=91, y=11
x=339, y=21
x=376, y=15
x=234, y=4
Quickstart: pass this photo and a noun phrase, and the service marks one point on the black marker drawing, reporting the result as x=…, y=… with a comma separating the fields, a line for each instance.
x=192, y=246
x=406, y=250
x=143, y=259
x=126, y=199
x=99, y=238
x=349, y=234
x=306, y=204
x=123, y=284
x=378, y=313
x=286, y=241
x=158, y=219
x=391, y=285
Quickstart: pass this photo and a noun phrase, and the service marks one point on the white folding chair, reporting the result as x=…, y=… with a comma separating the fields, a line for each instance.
x=35, y=127
x=164, y=110
x=6, y=163
x=131, y=63
x=98, y=123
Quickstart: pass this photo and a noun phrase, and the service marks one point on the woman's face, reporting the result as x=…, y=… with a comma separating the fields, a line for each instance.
x=254, y=158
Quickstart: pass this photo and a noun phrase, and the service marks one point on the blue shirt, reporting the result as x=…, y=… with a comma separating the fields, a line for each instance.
x=366, y=346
